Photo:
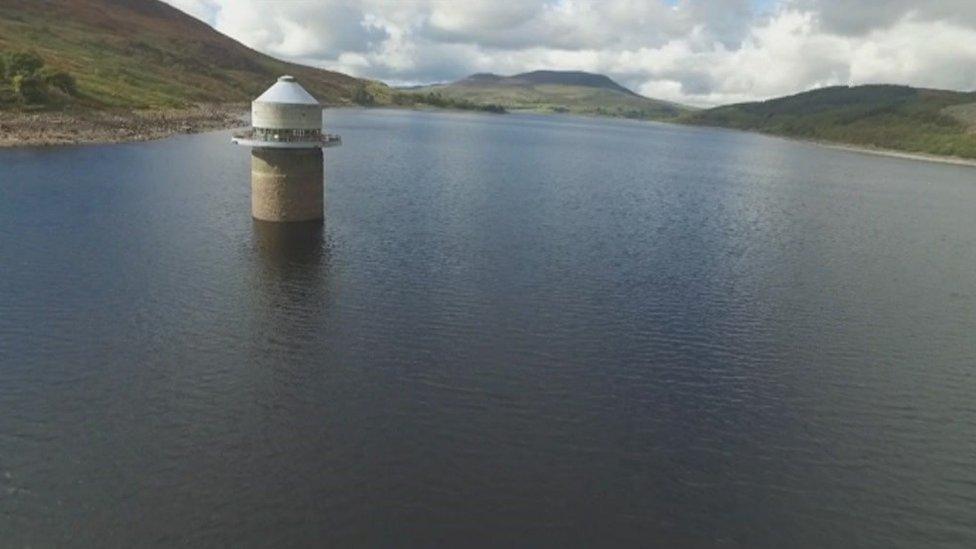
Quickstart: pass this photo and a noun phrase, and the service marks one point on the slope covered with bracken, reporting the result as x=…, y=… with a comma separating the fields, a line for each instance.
x=147, y=54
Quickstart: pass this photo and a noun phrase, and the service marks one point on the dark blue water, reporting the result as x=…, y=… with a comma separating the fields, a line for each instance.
x=510, y=330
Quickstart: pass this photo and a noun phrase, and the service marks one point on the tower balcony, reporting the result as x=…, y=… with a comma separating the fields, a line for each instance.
x=286, y=139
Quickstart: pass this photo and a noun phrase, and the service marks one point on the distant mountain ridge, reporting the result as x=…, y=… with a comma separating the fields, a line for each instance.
x=554, y=91
x=539, y=78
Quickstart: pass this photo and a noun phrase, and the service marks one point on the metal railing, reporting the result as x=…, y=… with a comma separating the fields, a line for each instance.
x=326, y=139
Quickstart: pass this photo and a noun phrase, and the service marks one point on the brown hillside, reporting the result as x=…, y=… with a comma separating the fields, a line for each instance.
x=144, y=53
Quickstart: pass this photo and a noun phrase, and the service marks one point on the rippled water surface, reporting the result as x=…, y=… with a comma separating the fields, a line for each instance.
x=510, y=330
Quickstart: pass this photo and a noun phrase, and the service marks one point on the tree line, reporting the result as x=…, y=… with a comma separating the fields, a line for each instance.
x=26, y=80
x=362, y=96
x=435, y=99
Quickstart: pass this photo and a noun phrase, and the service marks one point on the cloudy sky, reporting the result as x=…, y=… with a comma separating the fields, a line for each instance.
x=701, y=52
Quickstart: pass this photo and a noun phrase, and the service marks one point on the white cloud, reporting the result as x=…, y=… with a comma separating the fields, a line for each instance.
x=201, y=9
x=693, y=51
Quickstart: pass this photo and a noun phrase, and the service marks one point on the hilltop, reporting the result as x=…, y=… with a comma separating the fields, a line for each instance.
x=542, y=78
x=900, y=118
x=553, y=91
x=116, y=70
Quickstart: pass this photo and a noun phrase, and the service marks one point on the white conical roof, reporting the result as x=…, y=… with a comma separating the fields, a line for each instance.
x=288, y=92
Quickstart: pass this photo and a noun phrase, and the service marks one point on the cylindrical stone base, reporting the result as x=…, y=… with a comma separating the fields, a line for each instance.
x=287, y=184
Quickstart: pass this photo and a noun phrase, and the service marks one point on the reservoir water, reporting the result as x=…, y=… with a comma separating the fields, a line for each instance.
x=511, y=330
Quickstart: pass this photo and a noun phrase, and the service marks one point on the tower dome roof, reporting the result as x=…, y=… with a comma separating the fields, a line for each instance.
x=287, y=91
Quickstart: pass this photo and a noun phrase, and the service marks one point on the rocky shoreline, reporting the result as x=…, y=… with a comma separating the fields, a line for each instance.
x=43, y=128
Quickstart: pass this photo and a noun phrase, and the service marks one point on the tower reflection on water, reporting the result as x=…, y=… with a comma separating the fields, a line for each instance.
x=290, y=247
x=292, y=290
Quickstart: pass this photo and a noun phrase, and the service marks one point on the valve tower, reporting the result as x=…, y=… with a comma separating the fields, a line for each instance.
x=286, y=140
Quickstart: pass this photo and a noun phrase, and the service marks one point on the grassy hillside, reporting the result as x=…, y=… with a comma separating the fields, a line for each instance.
x=553, y=91
x=145, y=54
x=891, y=117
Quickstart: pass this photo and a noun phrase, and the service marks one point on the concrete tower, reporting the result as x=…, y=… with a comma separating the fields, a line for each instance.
x=286, y=140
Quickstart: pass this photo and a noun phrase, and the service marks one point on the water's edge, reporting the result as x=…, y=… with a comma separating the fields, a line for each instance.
x=40, y=129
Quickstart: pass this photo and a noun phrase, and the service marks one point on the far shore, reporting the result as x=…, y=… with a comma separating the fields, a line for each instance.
x=877, y=151
x=46, y=128
x=955, y=160
x=51, y=128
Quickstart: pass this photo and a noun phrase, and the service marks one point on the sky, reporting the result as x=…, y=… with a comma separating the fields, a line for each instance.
x=698, y=52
